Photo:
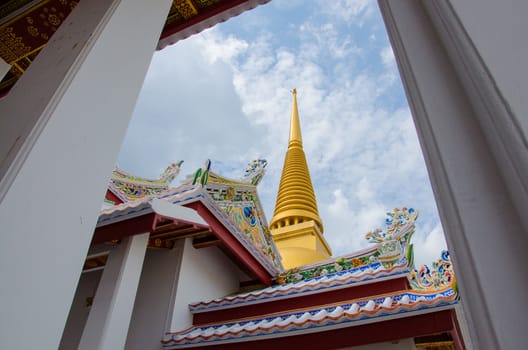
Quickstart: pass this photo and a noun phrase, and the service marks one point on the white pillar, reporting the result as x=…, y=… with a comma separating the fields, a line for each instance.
x=61, y=128
x=109, y=318
x=463, y=69
x=4, y=68
x=152, y=308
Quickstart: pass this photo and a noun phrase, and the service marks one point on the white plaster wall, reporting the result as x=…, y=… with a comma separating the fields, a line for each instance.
x=403, y=344
x=79, y=312
x=204, y=274
x=153, y=299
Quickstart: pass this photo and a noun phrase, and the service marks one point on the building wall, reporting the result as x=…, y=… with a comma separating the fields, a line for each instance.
x=205, y=274
x=153, y=298
x=79, y=310
x=170, y=280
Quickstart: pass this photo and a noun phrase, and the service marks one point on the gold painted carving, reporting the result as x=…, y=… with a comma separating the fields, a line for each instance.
x=41, y=20
x=185, y=8
x=21, y=64
x=11, y=46
x=33, y=31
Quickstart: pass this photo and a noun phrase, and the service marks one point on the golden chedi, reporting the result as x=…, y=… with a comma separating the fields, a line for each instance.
x=296, y=226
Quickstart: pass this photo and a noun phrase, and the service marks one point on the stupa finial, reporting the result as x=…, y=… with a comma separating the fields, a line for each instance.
x=295, y=125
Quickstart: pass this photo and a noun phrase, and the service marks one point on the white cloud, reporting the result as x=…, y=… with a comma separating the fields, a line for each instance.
x=349, y=225
x=365, y=152
x=189, y=110
x=324, y=40
x=351, y=11
x=430, y=246
x=387, y=57
x=226, y=97
x=216, y=48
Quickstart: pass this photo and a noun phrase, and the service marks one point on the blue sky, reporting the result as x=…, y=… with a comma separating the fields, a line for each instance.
x=225, y=95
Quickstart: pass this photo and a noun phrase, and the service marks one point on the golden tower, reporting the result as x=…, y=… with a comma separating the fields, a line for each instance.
x=296, y=226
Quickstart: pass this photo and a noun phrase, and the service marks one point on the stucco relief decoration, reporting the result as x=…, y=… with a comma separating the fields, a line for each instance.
x=338, y=266
x=245, y=215
x=437, y=277
x=231, y=194
x=171, y=171
x=133, y=187
x=135, y=190
x=392, y=249
x=255, y=171
x=239, y=201
x=201, y=176
x=393, y=242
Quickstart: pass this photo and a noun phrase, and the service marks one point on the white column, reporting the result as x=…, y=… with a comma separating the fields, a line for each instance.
x=153, y=304
x=61, y=128
x=109, y=318
x=459, y=63
x=4, y=68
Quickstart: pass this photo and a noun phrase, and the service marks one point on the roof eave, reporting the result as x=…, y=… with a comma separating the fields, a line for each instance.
x=206, y=19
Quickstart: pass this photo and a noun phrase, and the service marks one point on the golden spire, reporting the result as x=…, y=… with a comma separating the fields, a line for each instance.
x=295, y=124
x=296, y=225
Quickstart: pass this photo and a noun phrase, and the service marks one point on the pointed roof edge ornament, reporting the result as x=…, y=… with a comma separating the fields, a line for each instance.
x=295, y=124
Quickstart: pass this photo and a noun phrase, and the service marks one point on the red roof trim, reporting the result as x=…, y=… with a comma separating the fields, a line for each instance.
x=110, y=195
x=206, y=18
x=201, y=16
x=122, y=229
x=456, y=333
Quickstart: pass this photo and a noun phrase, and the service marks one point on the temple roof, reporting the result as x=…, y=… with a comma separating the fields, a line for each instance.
x=232, y=203
x=27, y=25
x=315, y=319
x=368, y=287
